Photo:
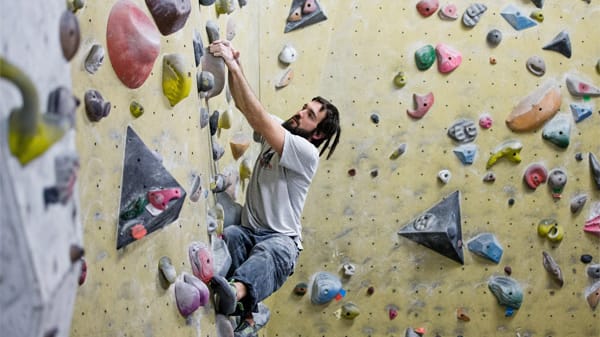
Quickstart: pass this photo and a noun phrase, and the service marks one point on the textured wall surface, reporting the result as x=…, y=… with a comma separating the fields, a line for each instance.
x=122, y=295
x=352, y=58
x=38, y=282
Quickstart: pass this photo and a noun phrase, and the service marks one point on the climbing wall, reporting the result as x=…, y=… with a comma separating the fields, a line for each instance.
x=40, y=227
x=351, y=53
x=125, y=154
x=361, y=197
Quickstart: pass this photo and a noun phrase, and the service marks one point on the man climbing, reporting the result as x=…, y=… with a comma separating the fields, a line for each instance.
x=265, y=246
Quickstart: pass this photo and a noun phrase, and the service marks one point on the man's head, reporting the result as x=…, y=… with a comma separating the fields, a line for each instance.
x=318, y=121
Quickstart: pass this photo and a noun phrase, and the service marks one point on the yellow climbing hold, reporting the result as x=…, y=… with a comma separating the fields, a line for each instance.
x=537, y=15
x=245, y=171
x=30, y=133
x=224, y=120
x=224, y=6
x=176, y=82
x=510, y=149
x=136, y=109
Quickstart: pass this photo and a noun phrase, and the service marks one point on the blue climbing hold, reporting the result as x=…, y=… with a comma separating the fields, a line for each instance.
x=486, y=245
x=508, y=292
x=466, y=153
x=325, y=287
x=516, y=18
x=580, y=111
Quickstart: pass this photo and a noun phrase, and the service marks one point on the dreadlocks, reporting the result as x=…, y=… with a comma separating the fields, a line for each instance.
x=329, y=127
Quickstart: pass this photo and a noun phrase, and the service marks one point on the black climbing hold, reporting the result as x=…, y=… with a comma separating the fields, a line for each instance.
x=375, y=118
x=586, y=258
x=561, y=43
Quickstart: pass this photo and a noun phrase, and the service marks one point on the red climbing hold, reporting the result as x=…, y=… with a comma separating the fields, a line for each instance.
x=133, y=43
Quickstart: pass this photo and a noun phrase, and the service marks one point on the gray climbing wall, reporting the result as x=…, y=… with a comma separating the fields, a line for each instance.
x=38, y=282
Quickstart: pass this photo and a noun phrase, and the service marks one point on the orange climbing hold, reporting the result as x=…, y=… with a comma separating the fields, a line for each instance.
x=138, y=231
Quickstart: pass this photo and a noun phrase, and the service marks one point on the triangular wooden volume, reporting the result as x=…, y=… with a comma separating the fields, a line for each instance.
x=439, y=228
x=142, y=172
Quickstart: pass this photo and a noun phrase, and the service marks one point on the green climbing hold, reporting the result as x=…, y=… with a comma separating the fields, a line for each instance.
x=425, y=57
x=134, y=209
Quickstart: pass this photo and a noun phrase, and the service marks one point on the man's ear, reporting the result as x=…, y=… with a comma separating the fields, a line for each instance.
x=317, y=135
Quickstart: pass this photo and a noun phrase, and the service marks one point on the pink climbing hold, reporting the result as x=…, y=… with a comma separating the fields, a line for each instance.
x=422, y=104
x=160, y=198
x=486, y=121
x=133, y=43
x=201, y=261
x=427, y=7
x=448, y=58
x=448, y=12
x=309, y=6
x=592, y=226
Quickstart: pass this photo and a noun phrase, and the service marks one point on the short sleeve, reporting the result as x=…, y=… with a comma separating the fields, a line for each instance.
x=299, y=155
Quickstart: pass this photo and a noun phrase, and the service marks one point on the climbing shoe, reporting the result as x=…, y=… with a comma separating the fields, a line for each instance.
x=262, y=316
x=224, y=295
x=245, y=329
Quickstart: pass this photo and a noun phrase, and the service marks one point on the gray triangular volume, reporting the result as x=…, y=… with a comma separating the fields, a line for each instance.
x=561, y=43
x=439, y=228
x=142, y=172
x=538, y=3
x=307, y=19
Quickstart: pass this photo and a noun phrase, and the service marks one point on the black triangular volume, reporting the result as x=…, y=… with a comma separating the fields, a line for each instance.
x=561, y=43
x=307, y=19
x=538, y=3
x=143, y=172
x=439, y=228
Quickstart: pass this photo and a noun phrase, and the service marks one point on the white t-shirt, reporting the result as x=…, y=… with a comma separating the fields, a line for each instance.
x=278, y=187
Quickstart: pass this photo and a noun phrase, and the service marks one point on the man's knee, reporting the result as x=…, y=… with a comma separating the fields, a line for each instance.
x=233, y=233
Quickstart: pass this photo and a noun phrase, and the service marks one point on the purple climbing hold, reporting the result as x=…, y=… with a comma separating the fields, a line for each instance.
x=96, y=107
x=169, y=15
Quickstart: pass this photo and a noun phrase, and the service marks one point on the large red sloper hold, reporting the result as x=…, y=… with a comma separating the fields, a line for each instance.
x=133, y=43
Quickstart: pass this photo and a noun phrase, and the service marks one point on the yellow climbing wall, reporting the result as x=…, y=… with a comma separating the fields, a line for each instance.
x=352, y=58
x=122, y=295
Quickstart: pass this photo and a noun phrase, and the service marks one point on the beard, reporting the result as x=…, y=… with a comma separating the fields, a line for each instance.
x=295, y=130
